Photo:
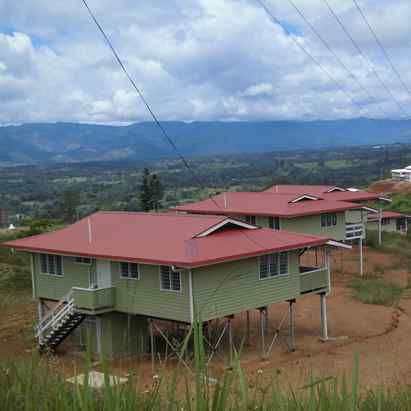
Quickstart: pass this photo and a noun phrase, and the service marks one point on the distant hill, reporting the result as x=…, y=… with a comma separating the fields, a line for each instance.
x=68, y=142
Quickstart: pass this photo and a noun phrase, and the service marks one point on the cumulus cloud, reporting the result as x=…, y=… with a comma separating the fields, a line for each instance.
x=197, y=60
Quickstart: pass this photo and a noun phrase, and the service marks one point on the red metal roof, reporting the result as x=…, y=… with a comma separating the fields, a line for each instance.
x=264, y=204
x=386, y=214
x=162, y=238
x=323, y=191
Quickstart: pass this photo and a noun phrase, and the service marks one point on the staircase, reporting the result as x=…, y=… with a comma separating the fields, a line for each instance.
x=58, y=324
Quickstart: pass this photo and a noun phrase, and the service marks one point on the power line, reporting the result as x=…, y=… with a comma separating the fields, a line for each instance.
x=382, y=47
x=330, y=49
x=154, y=117
x=306, y=52
x=365, y=59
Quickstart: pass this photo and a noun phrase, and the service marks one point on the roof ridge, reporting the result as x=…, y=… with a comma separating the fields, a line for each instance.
x=173, y=213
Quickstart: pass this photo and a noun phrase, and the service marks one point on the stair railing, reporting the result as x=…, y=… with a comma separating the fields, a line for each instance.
x=62, y=308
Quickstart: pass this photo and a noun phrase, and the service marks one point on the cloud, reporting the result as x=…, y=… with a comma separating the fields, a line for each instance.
x=197, y=60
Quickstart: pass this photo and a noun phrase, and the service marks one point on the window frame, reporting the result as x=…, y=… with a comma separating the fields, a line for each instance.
x=128, y=277
x=55, y=256
x=180, y=290
x=329, y=220
x=278, y=258
x=274, y=223
x=82, y=262
x=251, y=219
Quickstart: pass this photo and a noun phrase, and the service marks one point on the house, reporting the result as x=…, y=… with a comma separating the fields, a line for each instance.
x=311, y=213
x=328, y=192
x=401, y=174
x=303, y=213
x=112, y=275
x=389, y=221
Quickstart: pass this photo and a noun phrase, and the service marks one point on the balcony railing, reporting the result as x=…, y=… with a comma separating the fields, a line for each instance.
x=94, y=299
x=354, y=231
x=313, y=279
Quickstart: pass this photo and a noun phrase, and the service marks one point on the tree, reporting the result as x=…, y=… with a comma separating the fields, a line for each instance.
x=156, y=191
x=70, y=200
x=145, y=191
x=151, y=191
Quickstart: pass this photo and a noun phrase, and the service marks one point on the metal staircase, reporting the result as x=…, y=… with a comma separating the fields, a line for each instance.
x=58, y=324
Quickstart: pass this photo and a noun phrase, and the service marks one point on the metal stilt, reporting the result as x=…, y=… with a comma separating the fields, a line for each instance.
x=323, y=316
x=291, y=324
x=230, y=340
x=248, y=327
x=150, y=322
x=361, y=258
x=262, y=326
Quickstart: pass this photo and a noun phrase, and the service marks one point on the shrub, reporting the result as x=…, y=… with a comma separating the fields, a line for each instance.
x=375, y=291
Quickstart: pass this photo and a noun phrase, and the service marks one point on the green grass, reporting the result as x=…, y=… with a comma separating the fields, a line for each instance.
x=36, y=386
x=375, y=291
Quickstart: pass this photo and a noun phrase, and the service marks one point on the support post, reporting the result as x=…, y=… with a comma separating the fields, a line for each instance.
x=323, y=316
x=230, y=339
x=361, y=258
x=248, y=327
x=291, y=324
x=262, y=326
x=380, y=227
x=40, y=314
x=150, y=321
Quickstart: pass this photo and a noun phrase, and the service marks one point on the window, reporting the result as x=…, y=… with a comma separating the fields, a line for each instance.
x=250, y=219
x=272, y=265
x=129, y=270
x=51, y=264
x=328, y=220
x=169, y=280
x=385, y=221
x=274, y=223
x=83, y=260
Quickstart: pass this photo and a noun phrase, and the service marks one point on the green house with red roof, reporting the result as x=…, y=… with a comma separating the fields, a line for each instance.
x=107, y=278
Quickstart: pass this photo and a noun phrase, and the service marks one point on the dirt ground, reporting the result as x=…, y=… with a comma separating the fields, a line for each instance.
x=379, y=335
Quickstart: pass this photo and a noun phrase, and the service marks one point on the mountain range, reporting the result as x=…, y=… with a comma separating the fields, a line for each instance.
x=71, y=142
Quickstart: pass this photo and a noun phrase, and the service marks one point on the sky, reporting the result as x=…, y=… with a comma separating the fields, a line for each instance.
x=200, y=60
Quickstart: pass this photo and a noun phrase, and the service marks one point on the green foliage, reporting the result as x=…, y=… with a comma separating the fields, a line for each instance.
x=400, y=203
x=69, y=202
x=151, y=191
x=375, y=291
x=36, y=386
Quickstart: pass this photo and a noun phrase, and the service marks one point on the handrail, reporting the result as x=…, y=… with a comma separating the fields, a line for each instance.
x=41, y=326
x=313, y=271
x=55, y=319
x=92, y=289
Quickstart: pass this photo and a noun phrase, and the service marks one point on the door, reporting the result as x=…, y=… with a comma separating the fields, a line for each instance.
x=103, y=273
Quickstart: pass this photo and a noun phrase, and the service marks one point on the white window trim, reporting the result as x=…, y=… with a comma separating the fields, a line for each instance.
x=52, y=275
x=126, y=277
x=170, y=290
x=270, y=277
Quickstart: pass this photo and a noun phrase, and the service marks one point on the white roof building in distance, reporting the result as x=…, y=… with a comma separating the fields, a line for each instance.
x=401, y=174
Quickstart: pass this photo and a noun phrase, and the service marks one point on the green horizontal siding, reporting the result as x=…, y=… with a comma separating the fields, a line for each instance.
x=312, y=225
x=144, y=296
x=309, y=225
x=55, y=287
x=314, y=281
x=232, y=287
x=94, y=299
x=391, y=227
